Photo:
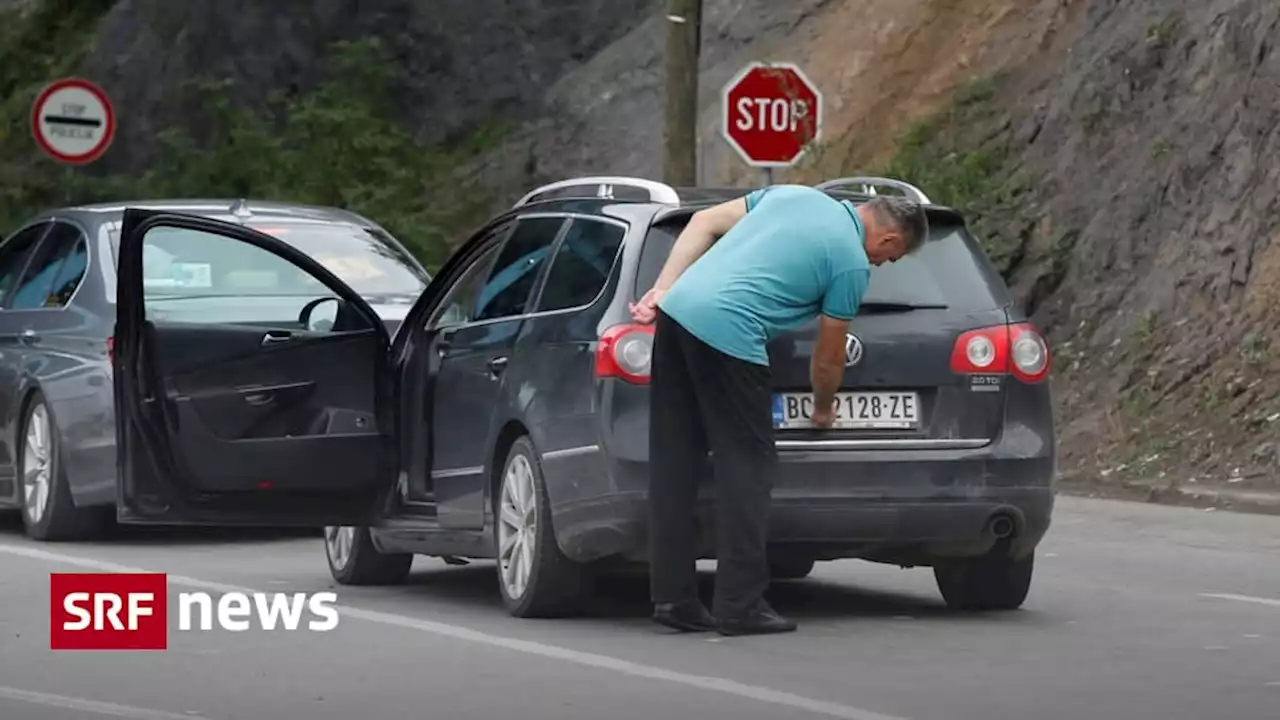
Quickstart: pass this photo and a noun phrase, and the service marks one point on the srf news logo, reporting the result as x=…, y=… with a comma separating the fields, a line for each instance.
x=129, y=611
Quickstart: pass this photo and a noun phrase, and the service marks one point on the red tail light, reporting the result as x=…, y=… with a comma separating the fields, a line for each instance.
x=625, y=352
x=111, y=348
x=1017, y=350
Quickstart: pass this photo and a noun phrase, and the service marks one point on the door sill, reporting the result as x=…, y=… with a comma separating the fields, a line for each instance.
x=422, y=535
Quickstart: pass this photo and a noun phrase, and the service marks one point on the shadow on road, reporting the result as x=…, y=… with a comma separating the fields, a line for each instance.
x=133, y=535
x=625, y=595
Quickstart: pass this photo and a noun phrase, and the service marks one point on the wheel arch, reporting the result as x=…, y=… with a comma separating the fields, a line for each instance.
x=507, y=435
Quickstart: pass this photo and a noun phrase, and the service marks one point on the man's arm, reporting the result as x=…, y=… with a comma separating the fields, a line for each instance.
x=702, y=231
x=839, y=306
x=826, y=369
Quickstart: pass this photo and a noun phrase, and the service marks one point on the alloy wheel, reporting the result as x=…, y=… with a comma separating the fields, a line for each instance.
x=338, y=542
x=517, y=526
x=37, y=480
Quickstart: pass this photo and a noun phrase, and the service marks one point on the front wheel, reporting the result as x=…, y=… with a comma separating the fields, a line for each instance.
x=355, y=560
x=534, y=576
x=990, y=582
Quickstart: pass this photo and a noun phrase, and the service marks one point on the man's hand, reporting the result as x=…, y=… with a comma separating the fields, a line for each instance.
x=646, y=311
x=823, y=418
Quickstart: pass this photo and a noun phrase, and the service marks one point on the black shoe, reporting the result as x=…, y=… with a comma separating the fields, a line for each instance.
x=762, y=620
x=687, y=616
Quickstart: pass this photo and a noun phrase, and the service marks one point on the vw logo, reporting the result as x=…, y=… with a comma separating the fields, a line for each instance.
x=852, y=350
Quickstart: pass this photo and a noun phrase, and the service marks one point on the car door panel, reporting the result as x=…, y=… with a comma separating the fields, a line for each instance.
x=471, y=379
x=224, y=423
x=15, y=254
x=281, y=392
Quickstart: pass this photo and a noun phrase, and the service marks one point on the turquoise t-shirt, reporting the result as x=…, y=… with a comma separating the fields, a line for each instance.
x=796, y=254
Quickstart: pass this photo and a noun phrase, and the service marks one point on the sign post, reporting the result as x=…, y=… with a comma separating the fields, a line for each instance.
x=772, y=114
x=73, y=122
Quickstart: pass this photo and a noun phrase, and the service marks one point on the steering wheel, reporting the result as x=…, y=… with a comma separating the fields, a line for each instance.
x=322, y=323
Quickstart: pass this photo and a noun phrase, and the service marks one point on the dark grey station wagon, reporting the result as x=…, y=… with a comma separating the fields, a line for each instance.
x=508, y=418
x=58, y=314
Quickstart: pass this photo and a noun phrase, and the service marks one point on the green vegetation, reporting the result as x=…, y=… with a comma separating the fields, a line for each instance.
x=961, y=164
x=39, y=41
x=340, y=144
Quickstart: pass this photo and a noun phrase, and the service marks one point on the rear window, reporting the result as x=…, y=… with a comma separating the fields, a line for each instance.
x=368, y=262
x=948, y=270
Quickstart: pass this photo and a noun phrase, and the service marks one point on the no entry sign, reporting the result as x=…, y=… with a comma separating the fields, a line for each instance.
x=73, y=122
x=771, y=113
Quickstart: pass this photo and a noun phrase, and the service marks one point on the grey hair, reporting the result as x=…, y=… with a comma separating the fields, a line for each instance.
x=904, y=215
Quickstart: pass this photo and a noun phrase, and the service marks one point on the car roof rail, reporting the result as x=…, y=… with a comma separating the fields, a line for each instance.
x=868, y=185
x=621, y=189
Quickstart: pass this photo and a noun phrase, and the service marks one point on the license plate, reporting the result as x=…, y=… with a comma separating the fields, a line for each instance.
x=854, y=410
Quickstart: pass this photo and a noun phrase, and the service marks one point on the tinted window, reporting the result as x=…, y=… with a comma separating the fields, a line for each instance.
x=459, y=306
x=582, y=264
x=366, y=261
x=14, y=255
x=72, y=272
x=40, y=286
x=506, y=292
x=948, y=270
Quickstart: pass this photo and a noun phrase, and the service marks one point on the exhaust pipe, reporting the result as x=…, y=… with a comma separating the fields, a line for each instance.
x=1000, y=526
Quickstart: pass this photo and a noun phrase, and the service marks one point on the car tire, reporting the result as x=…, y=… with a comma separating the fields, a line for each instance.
x=535, y=578
x=991, y=582
x=787, y=567
x=49, y=513
x=355, y=560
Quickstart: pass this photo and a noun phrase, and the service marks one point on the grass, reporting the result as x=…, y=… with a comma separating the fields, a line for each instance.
x=340, y=144
x=950, y=157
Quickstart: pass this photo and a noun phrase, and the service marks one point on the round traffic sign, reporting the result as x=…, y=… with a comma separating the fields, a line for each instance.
x=772, y=113
x=73, y=121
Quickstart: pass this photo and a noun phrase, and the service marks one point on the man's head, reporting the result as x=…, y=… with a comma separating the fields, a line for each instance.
x=895, y=227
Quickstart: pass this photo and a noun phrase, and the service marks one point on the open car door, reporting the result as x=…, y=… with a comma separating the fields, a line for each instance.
x=234, y=404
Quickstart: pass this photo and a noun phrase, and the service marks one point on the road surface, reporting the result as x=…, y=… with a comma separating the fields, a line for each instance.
x=1137, y=612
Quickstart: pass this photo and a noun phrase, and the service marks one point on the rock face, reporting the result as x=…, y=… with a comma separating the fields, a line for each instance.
x=463, y=61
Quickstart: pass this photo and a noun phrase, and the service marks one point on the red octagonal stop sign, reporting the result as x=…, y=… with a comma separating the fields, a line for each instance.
x=771, y=114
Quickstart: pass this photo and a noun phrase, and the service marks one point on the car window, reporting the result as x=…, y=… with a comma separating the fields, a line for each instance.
x=948, y=270
x=38, y=289
x=506, y=291
x=367, y=261
x=459, y=305
x=14, y=255
x=201, y=277
x=582, y=264
x=72, y=272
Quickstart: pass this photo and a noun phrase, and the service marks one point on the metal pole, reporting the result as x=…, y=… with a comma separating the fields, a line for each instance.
x=684, y=39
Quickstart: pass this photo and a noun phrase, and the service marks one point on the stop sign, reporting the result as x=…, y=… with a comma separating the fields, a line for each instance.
x=771, y=113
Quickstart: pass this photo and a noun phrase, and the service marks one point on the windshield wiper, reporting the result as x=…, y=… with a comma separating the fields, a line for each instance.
x=897, y=307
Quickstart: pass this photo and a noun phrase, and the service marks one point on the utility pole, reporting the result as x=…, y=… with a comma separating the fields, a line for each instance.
x=680, y=134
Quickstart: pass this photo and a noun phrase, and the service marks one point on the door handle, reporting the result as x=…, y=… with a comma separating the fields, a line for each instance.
x=29, y=336
x=497, y=365
x=275, y=338
x=259, y=399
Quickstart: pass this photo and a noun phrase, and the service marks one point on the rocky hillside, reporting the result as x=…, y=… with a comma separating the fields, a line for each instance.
x=1113, y=156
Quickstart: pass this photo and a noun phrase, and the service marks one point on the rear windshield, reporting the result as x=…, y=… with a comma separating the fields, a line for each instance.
x=368, y=262
x=949, y=270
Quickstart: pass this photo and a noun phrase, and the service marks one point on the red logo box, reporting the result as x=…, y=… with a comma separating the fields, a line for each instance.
x=108, y=611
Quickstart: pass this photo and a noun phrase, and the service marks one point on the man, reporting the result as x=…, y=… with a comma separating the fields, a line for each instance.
x=740, y=274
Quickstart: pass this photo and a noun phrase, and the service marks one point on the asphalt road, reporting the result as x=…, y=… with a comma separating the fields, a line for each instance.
x=1137, y=612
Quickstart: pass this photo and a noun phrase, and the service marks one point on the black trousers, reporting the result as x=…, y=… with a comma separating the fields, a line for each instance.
x=702, y=399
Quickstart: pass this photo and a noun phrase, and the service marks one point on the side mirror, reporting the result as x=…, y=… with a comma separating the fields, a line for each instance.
x=320, y=315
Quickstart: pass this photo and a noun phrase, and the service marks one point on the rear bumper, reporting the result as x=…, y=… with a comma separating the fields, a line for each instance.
x=903, y=507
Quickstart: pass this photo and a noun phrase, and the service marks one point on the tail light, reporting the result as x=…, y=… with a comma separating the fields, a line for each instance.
x=111, y=348
x=1018, y=350
x=625, y=352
